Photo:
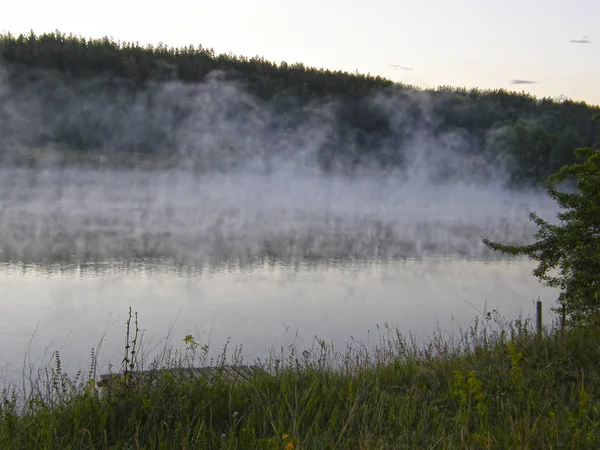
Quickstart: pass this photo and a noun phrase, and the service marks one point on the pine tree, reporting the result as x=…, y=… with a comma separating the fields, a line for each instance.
x=569, y=252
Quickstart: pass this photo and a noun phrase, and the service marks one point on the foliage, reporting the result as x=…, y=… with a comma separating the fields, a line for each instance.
x=375, y=122
x=569, y=252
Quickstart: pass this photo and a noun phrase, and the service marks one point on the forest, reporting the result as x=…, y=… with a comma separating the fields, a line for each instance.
x=99, y=98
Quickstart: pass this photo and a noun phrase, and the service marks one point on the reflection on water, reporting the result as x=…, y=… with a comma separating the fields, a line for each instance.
x=259, y=307
x=254, y=259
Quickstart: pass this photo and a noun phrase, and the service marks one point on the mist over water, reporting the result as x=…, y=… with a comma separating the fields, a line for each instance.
x=85, y=215
x=242, y=233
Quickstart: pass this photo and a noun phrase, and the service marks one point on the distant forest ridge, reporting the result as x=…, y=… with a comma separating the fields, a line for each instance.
x=98, y=97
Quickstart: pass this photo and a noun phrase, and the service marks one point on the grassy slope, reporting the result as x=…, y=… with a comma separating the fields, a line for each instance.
x=501, y=389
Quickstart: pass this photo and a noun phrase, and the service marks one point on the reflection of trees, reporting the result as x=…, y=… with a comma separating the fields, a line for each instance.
x=361, y=243
x=69, y=266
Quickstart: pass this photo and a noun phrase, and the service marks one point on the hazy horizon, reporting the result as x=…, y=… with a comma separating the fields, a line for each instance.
x=545, y=48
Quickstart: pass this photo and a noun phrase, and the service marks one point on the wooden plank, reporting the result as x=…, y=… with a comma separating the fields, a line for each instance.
x=209, y=374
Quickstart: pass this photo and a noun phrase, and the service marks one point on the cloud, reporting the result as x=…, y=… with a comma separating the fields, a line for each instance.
x=396, y=67
x=523, y=82
x=583, y=40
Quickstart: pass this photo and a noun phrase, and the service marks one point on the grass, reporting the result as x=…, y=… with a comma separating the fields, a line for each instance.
x=498, y=385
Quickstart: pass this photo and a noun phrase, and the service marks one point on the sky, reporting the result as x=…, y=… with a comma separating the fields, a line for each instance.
x=546, y=47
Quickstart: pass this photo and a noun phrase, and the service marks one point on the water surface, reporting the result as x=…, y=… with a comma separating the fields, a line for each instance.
x=262, y=260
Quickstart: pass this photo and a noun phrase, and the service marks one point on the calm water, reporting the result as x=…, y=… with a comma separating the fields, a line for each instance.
x=264, y=261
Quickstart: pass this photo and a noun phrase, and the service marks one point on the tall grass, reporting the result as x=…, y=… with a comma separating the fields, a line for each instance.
x=497, y=385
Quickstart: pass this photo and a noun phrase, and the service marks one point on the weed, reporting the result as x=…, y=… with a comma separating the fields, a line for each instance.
x=498, y=384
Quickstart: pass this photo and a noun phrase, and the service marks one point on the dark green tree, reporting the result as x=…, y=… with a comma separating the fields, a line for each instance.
x=374, y=121
x=569, y=252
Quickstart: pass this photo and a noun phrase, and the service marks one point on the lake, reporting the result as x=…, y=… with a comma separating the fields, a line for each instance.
x=262, y=260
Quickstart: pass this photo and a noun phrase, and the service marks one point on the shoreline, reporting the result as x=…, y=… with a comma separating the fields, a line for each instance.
x=489, y=389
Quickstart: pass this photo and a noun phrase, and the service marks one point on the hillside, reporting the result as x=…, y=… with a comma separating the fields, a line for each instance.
x=77, y=99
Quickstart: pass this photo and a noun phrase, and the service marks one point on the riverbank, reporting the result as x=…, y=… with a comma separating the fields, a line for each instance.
x=500, y=385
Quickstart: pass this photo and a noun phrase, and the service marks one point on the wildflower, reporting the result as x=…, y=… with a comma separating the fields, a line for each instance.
x=291, y=443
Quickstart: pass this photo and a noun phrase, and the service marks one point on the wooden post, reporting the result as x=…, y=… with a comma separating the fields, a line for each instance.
x=538, y=315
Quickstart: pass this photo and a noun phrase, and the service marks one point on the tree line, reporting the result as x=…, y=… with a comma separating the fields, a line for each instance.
x=373, y=119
